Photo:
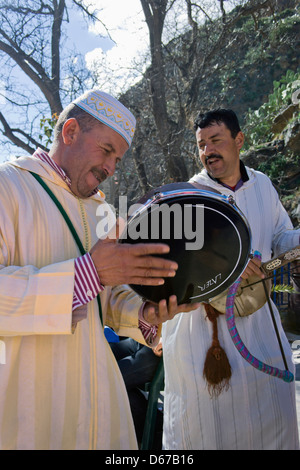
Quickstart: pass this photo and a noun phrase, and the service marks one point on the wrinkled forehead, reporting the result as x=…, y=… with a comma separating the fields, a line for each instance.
x=109, y=139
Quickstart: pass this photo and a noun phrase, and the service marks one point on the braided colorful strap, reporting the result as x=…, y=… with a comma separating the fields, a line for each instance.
x=285, y=375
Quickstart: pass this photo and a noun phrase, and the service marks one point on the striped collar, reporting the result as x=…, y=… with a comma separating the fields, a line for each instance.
x=44, y=157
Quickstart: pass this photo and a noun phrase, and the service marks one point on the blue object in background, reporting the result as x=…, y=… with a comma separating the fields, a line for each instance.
x=110, y=335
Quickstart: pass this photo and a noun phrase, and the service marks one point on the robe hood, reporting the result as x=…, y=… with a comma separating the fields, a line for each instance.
x=204, y=178
x=31, y=163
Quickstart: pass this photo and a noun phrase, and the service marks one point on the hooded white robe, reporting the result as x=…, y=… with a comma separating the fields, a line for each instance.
x=58, y=390
x=257, y=411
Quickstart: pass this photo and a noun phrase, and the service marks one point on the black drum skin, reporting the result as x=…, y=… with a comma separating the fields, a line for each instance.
x=208, y=236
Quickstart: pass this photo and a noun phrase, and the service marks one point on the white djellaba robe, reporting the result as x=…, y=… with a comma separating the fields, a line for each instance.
x=257, y=411
x=58, y=389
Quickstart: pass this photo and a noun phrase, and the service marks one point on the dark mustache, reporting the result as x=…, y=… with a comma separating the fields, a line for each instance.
x=215, y=155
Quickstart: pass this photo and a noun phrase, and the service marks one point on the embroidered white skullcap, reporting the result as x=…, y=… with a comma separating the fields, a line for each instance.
x=110, y=111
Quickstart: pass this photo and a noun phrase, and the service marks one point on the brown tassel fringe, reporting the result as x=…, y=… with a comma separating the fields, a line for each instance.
x=217, y=370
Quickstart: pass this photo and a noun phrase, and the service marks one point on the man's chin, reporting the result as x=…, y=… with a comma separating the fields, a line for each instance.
x=214, y=170
x=82, y=193
x=215, y=174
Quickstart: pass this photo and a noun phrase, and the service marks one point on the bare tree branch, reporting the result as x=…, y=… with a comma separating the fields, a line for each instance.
x=11, y=135
x=93, y=16
x=30, y=42
x=155, y=12
x=250, y=8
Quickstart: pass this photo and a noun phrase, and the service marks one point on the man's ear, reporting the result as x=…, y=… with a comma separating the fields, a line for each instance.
x=239, y=140
x=70, y=131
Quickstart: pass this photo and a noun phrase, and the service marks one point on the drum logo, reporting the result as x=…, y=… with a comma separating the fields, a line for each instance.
x=211, y=283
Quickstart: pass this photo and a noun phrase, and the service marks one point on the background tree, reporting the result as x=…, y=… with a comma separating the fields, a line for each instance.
x=202, y=53
x=206, y=59
x=190, y=67
x=35, y=75
x=168, y=130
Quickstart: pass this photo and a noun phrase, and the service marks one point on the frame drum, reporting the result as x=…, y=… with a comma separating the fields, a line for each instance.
x=209, y=238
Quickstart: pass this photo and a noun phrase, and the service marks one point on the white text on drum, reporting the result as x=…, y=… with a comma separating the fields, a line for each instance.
x=211, y=282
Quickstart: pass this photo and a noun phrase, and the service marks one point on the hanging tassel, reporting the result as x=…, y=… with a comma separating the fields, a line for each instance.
x=217, y=370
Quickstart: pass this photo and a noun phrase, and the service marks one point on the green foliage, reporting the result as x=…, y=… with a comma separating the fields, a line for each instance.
x=276, y=167
x=274, y=27
x=259, y=122
x=257, y=54
x=283, y=25
x=47, y=126
x=285, y=288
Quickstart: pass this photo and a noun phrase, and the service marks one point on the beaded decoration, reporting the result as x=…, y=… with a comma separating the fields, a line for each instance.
x=109, y=111
x=285, y=375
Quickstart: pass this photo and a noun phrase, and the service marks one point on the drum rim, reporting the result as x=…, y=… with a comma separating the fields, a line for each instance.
x=239, y=255
x=226, y=201
x=161, y=195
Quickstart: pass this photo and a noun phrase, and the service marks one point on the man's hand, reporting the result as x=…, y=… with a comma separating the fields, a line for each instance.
x=118, y=263
x=156, y=314
x=253, y=267
x=158, y=349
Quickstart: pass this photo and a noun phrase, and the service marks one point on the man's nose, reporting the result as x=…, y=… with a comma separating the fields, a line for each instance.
x=110, y=166
x=208, y=149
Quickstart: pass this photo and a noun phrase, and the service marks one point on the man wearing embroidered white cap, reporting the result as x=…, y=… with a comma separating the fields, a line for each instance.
x=60, y=387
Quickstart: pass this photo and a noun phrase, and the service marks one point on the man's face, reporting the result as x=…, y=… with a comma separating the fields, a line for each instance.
x=219, y=151
x=92, y=157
